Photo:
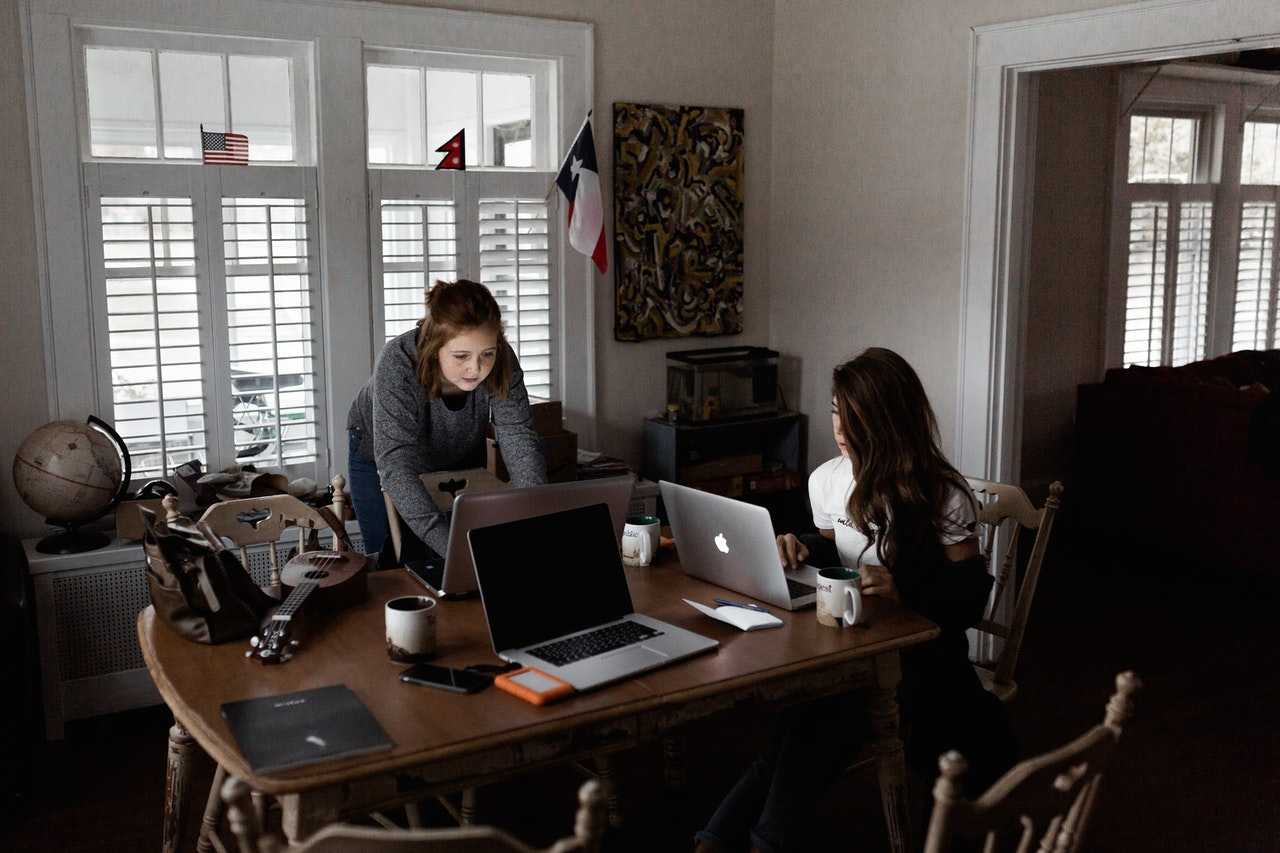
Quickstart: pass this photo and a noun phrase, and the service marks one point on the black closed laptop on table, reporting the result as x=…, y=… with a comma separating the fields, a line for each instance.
x=556, y=599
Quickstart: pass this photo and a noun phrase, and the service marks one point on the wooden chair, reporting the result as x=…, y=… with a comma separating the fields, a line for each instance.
x=1002, y=506
x=246, y=522
x=1049, y=797
x=588, y=831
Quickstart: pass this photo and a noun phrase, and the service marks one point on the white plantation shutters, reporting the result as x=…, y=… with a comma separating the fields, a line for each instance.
x=1254, y=326
x=270, y=329
x=1191, y=283
x=150, y=305
x=1170, y=230
x=1144, y=292
x=515, y=266
x=492, y=227
x=204, y=322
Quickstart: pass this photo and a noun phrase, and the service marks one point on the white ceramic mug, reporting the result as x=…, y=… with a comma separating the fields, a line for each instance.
x=640, y=540
x=411, y=628
x=839, y=597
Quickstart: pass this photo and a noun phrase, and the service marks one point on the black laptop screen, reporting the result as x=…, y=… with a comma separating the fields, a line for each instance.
x=544, y=577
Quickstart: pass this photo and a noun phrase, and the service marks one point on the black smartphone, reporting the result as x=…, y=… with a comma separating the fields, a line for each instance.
x=446, y=678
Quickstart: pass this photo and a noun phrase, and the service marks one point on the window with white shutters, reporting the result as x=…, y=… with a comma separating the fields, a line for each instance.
x=419, y=248
x=1144, y=293
x=266, y=251
x=515, y=266
x=1254, y=326
x=1191, y=283
x=153, y=323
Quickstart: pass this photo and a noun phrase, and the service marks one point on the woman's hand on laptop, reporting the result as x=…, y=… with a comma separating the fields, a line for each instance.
x=792, y=551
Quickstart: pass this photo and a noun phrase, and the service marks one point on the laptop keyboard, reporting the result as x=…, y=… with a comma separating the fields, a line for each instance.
x=796, y=589
x=597, y=642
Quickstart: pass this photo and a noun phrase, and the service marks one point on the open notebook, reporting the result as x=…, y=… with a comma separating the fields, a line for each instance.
x=739, y=617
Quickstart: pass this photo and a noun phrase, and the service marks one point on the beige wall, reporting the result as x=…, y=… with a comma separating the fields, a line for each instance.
x=699, y=52
x=24, y=399
x=1067, y=269
x=711, y=52
x=871, y=122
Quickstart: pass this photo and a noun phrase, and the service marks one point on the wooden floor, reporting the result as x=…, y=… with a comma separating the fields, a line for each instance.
x=1200, y=770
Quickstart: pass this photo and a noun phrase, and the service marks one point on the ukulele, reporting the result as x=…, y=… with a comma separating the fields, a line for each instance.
x=324, y=581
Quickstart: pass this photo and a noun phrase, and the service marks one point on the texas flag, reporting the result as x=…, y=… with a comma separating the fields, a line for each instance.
x=579, y=182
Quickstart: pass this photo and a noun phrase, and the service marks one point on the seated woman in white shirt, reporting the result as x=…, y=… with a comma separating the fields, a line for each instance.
x=893, y=507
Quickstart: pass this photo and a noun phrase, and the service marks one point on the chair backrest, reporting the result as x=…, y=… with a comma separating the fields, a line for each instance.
x=588, y=830
x=1048, y=798
x=1002, y=506
x=255, y=521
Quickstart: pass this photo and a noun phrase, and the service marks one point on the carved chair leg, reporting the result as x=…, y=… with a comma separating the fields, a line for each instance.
x=176, y=781
x=241, y=814
x=468, y=814
x=607, y=777
x=673, y=764
x=212, y=812
x=412, y=815
x=891, y=762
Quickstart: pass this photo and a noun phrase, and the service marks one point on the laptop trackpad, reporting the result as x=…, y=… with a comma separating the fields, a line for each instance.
x=634, y=657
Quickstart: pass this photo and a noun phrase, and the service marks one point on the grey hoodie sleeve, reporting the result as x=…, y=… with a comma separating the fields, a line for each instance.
x=513, y=428
x=399, y=415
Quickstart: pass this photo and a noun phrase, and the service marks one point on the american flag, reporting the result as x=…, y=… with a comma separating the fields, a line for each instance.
x=224, y=148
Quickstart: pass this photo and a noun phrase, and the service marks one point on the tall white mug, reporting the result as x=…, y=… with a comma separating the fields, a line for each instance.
x=839, y=597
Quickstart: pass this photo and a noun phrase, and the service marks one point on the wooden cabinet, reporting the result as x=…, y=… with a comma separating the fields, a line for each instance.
x=745, y=458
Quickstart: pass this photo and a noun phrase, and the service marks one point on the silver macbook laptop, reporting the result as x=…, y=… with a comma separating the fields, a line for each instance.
x=456, y=576
x=556, y=598
x=731, y=544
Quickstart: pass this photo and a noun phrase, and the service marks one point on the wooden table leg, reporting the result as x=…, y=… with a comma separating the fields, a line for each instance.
x=890, y=759
x=673, y=766
x=176, y=780
x=212, y=812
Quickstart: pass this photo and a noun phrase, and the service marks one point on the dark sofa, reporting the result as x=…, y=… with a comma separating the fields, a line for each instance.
x=1185, y=461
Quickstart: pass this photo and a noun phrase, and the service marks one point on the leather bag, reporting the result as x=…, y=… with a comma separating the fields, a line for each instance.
x=197, y=585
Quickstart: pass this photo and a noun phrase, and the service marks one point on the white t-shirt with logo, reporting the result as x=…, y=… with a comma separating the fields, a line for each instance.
x=830, y=486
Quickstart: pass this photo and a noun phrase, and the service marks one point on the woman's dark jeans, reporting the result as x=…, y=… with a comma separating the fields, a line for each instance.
x=366, y=495
x=772, y=806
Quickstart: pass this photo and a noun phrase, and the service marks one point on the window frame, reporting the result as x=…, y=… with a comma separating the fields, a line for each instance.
x=544, y=134
x=301, y=75
x=337, y=32
x=1224, y=104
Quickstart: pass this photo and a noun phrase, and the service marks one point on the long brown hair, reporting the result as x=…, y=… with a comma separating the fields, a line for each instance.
x=454, y=307
x=902, y=479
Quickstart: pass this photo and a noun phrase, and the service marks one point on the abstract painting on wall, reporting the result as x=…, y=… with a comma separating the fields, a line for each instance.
x=677, y=208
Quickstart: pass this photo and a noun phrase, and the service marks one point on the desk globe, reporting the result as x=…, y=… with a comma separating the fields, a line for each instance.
x=72, y=473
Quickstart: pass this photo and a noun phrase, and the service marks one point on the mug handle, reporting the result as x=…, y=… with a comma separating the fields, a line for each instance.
x=852, y=606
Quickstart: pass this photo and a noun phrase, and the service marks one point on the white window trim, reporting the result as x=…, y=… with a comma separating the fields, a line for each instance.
x=301, y=86
x=339, y=32
x=545, y=137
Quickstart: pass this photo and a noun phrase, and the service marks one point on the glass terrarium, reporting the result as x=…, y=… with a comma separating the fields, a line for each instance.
x=726, y=382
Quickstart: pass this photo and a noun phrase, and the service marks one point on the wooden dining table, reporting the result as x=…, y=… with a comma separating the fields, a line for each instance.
x=446, y=742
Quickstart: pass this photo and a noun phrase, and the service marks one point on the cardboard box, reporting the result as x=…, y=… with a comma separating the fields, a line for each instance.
x=560, y=450
x=129, y=518
x=548, y=417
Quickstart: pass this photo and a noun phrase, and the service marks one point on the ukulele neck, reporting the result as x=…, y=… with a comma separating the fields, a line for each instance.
x=291, y=605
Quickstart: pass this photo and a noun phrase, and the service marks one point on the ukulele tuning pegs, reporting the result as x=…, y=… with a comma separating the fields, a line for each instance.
x=248, y=653
x=255, y=641
x=293, y=644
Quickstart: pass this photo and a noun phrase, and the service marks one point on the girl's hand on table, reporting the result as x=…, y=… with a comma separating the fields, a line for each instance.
x=876, y=580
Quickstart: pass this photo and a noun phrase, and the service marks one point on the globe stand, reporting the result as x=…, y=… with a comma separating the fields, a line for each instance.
x=72, y=540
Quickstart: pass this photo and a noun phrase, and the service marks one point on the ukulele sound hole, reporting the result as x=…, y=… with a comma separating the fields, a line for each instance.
x=315, y=574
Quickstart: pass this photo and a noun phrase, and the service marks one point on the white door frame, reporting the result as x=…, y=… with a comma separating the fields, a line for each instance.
x=997, y=220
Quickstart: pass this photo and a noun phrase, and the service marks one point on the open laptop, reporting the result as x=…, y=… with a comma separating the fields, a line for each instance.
x=731, y=544
x=455, y=576
x=556, y=598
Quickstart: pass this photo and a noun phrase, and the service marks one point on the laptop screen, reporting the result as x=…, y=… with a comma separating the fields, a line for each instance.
x=544, y=577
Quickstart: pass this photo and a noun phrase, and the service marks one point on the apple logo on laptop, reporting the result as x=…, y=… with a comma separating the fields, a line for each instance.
x=722, y=543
